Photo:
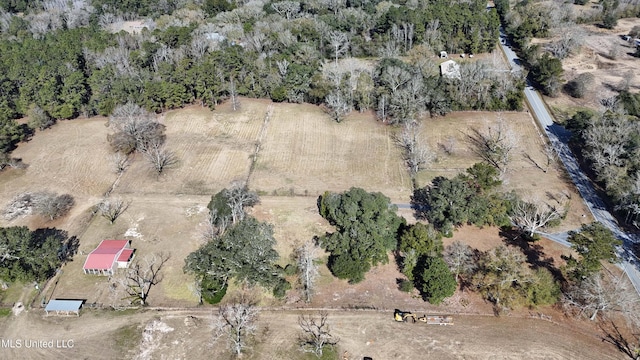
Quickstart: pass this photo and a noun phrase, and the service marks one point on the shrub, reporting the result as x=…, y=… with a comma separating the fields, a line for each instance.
x=279, y=94
x=213, y=290
x=405, y=285
x=290, y=269
x=579, y=86
x=281, y=288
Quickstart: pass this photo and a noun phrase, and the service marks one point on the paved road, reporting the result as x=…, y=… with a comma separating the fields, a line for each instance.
x=559, y=137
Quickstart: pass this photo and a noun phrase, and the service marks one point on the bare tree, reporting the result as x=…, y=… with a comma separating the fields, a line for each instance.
x=306, y=256
x=415, y=154
x=286, y=8
x=159, y=157
x=237, y=321
x=142, y=275
x=460, y=259
x=44, y=203
x=120, y=162
x=239, y=197
x=395, y=77
x=602, y=293
x=607, y=140
x=233, y=94
x=196, y=289
x=5, y=20
x=38, y=118
x=337, y=105
x=283, y=67
x=495, y=145
x=626, y=81
x=383, y=106
x=531, y=216
x=52, y=205
x=339, y=43
x=316, y=334
x=15, y=163
x=20, y=205
x=571, y=37
x=7, y=253
x=112, y=208
x=214, y=225
x=135, y=129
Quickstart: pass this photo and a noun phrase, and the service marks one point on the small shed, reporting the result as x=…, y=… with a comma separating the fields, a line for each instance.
x=450, y=69
x=64, y=307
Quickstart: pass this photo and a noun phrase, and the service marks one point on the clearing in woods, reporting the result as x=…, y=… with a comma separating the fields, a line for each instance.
x=609, y=58
x=302, y=153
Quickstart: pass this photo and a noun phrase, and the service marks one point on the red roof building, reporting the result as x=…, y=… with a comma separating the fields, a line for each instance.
x=108, y=256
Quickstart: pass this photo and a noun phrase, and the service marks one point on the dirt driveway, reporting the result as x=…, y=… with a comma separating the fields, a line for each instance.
x=187, y=335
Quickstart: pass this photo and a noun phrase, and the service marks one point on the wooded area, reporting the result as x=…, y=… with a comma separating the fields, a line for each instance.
x=209, y=51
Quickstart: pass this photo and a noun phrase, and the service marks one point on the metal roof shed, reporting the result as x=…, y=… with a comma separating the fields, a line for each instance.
x=64, y=306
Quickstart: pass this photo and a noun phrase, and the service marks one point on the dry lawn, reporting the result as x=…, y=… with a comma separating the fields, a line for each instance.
x=304, y=152
x=212, y=148
x=70, y=158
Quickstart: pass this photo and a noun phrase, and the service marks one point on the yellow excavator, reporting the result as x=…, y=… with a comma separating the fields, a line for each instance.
x=404, y=316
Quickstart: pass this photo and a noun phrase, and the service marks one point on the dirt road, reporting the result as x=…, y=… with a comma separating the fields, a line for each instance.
x=187, y=334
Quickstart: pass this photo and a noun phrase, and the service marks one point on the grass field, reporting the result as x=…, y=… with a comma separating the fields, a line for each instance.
x=212, y=148
x=302, y=154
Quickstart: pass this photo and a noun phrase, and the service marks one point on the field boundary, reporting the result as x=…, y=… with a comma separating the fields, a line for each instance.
x=261, y=135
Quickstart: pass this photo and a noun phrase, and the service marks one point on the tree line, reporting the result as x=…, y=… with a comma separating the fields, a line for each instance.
x=608, y=142
x=27, y=255
x=206, y=53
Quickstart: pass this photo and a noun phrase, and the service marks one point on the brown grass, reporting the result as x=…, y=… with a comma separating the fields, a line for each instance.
x=71, y=158
x=306, y=152
x=302, y=150
x=362, y=333
x=212, y=148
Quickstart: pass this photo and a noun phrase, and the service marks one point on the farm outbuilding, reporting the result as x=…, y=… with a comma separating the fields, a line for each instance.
x=108, y=256
x=64, y=307
x=450, y=69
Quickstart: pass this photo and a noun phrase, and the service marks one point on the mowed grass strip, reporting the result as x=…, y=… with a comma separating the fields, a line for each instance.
x=305, y=152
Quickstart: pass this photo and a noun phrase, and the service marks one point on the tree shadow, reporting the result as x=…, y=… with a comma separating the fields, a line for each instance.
x=68, y=246
x=533, y=251
x=612, y=87
x=419, y=203
x=613, y=336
